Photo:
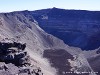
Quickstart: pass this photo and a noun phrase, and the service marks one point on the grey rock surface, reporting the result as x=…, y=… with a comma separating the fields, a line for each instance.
x=22, y=28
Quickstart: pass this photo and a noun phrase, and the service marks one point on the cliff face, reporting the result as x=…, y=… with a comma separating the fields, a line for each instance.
x=45, y=50
x=78, y=28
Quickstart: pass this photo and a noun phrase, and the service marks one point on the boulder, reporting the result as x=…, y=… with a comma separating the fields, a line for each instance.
x=25, y=61
x=20, y=55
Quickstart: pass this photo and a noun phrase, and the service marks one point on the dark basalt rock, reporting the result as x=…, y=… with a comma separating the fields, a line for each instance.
x=10, y=55
x=13, y=58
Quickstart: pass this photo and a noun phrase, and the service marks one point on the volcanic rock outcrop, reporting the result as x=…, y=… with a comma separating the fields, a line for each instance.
x=14, y=59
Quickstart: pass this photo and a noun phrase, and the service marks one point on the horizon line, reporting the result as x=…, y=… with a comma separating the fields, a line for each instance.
x=47, y=8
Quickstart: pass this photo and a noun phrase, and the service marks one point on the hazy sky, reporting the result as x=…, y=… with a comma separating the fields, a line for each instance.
x=16, y=5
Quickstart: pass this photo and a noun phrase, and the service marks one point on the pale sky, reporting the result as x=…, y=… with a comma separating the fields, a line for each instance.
x=17, y=5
